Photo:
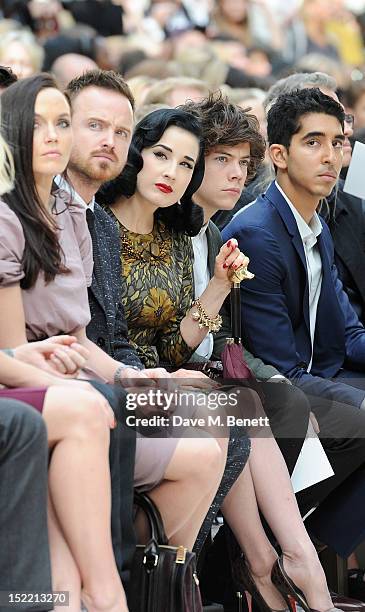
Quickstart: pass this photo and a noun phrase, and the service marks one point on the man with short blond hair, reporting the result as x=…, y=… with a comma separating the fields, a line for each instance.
x=102, y=123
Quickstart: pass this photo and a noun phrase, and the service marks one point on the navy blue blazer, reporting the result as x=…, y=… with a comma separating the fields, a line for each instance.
x=275, y=311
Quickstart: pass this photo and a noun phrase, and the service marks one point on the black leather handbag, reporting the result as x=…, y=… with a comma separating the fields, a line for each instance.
x=163, y=578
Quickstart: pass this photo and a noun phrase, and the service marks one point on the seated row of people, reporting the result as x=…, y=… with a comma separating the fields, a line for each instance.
x=47, y=276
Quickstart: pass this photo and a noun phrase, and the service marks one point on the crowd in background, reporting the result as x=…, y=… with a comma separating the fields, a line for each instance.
x=237, y=44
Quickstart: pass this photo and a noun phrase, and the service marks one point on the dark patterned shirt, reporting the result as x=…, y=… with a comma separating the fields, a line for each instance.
x=156, y=292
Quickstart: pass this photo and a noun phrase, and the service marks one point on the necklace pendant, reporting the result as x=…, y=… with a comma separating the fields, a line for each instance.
x=154, y=249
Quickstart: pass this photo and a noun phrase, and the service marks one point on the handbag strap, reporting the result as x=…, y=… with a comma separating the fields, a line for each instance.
x=145, y=503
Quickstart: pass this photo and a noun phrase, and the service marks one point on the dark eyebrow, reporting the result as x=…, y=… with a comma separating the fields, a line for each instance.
x=314, y=134
x=223, y=152
x=170, y=151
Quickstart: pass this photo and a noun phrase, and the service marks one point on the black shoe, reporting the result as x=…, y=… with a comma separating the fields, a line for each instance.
x=356, y=584
x=347, y=604
x=288, y=588
x=242, y=576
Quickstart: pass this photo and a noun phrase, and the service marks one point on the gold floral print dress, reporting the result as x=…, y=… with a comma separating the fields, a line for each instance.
x=156, y=292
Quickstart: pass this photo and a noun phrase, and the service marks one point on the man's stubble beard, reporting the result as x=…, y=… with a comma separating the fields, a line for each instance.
x=97, y=175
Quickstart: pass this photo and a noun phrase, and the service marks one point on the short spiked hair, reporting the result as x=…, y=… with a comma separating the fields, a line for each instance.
x=105, y=79
x=227, y=124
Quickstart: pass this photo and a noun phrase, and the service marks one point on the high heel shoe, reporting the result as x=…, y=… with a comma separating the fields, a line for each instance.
x=242, y=577
x=288, y=588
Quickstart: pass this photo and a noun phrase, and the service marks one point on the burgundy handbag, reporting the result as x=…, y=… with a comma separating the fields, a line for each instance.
x=162, y=577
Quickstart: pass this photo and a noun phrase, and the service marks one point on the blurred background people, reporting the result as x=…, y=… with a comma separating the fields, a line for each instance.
x=70, y=65
x=20, y=51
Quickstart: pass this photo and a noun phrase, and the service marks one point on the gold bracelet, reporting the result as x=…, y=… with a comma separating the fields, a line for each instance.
x=200, y=316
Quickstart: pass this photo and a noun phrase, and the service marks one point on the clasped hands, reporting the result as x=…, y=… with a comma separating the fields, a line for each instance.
x=160, y=382
x=65, y=357
x=59, y=355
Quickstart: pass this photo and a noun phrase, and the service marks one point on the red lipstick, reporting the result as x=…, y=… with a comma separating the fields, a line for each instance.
x=164, y=188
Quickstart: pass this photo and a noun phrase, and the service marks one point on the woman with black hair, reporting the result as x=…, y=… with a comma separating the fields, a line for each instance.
x=152, y=203
x=156, y=220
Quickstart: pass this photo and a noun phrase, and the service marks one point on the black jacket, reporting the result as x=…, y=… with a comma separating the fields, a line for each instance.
x=346, y=220
x=108, y=326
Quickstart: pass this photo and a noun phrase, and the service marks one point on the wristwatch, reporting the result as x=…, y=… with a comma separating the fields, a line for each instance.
x=123, y=366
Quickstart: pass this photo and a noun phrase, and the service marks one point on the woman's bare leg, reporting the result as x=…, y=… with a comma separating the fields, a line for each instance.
x=241, y=512
x=300, y=557
x=191, y=481
x=265, y=483
x=79, y=479
x=65, y=573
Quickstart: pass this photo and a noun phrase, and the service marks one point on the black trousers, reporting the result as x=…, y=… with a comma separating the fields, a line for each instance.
x=339, y=520
x=288, y=410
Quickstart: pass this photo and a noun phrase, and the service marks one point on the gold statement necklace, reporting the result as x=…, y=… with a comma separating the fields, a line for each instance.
x=147, y=248
x=152, y=247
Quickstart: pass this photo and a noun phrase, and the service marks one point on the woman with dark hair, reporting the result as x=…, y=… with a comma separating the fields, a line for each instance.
x=156, y=220
x=152, y=203
x=45, y=269
x=78, y=420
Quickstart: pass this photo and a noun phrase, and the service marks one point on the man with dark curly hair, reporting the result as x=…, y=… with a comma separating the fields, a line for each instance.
x=234, y=149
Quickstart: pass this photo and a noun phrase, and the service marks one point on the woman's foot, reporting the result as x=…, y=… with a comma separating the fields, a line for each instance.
x=306, y=571
x=259, y=573
x=269, y=592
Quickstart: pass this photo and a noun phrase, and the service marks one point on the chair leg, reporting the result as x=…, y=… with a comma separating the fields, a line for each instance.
x=342, y=581
x=336, y=571
x=240, y=598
